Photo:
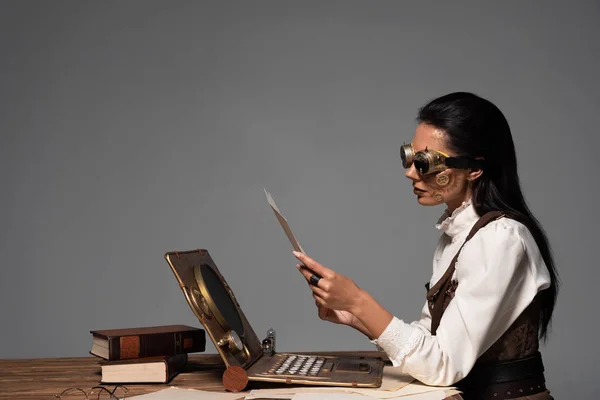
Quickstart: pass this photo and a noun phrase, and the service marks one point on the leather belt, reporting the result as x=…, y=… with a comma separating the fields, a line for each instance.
x=505, y=380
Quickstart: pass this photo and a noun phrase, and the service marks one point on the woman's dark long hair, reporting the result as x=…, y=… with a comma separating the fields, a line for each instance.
x=477, y=128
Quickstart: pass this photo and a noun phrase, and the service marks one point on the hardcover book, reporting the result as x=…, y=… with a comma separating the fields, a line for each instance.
x=143, y=370
x=131, y=343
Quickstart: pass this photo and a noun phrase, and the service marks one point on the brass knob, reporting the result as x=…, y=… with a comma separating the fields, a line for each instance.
x=232, y=341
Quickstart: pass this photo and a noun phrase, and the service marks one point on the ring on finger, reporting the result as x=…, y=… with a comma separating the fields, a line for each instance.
x=314, y=279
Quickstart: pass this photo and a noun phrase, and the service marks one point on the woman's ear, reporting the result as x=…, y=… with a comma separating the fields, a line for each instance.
x=474, y=174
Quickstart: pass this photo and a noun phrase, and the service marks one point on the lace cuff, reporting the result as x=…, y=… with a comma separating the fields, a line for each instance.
x=398, y=340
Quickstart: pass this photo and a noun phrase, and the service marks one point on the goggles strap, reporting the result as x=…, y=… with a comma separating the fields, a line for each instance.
x=463, y=163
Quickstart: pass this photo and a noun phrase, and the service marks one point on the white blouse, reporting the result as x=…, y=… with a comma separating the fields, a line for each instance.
x=500, y=270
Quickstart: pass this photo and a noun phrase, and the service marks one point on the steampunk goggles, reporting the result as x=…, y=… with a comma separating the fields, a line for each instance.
x=431, y=161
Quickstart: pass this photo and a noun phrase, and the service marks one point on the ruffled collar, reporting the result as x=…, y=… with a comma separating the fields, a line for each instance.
x=461, y=219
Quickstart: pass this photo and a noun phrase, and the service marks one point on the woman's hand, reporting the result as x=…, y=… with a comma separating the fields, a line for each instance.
x=335, y=316
x=333, y=291
x=342, y=318
x=341, y=301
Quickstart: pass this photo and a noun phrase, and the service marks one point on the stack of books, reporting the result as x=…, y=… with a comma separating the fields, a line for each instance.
x=153, y=354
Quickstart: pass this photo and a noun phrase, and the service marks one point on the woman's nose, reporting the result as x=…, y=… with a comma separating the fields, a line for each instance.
x=412, y=174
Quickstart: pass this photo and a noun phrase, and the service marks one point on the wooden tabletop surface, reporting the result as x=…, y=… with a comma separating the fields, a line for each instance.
x=43, y=378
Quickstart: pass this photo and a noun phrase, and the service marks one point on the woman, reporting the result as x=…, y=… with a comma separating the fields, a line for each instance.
x=494, y=284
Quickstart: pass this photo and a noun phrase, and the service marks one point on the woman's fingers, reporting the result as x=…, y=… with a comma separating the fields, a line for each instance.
x=307, y=273
x=313, y=265
x=319, y=292
x=319, y=301
x=323, y=311
x=304, y=271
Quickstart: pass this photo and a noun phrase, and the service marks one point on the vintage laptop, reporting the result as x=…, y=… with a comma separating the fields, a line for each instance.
x=213, y=302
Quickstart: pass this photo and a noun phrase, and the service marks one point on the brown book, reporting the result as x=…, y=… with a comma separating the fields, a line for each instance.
x=143, y=370
x=130, y=343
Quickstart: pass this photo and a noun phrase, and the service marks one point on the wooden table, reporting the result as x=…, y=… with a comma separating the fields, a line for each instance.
x=42, y=378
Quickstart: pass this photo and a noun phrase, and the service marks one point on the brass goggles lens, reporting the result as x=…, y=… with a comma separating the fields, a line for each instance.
x=432, y=161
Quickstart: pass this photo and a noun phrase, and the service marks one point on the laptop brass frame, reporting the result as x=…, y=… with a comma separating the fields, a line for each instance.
x=186, y=267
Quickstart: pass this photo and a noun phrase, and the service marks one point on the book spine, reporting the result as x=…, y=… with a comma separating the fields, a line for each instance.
x=157, y=344
x=174, y=365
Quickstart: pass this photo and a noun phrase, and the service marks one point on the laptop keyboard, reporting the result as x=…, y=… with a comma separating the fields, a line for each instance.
x=294, y=364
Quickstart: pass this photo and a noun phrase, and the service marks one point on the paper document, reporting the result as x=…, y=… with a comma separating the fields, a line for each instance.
x=250, y=396
x=284, y=223
x=175, y=393
x=331, y=396
x=395, y=385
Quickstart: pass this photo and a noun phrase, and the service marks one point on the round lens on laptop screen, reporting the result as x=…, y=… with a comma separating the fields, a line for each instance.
x=221, y=299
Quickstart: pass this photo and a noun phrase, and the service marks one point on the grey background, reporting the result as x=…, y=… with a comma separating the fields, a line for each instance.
x=129, y=129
